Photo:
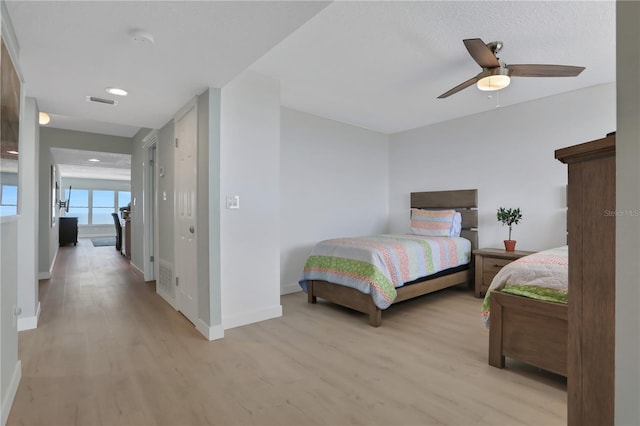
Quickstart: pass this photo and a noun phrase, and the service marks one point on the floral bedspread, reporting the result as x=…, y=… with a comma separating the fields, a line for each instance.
x=543, y=276
x=378, y=264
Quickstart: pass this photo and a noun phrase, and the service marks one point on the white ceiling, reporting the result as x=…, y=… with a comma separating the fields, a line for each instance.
x=73, y=49
x=381, y=65
x=376, y=64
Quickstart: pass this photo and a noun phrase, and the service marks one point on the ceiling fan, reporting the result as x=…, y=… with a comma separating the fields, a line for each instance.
x=496, y=74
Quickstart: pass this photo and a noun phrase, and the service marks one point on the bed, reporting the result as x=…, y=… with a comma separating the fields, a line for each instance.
x=525, y=309
x=372, y=298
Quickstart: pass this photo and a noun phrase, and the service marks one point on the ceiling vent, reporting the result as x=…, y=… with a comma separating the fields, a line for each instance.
x=101, y=100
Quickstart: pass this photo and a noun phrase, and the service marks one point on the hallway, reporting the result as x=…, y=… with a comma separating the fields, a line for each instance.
x=90, y=361
x=109, y=351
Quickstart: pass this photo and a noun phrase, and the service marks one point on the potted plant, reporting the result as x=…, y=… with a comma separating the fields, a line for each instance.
x=509, y=217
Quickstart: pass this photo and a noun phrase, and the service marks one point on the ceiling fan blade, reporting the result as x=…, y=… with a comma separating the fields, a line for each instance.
x=459, y=87
x=481, y=53
x=541, y=70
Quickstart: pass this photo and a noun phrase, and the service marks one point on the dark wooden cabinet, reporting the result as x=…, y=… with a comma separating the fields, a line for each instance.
x=591, y=217
x=68, y=232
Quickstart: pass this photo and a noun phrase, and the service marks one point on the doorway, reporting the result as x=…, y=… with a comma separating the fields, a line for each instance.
x=149, y=207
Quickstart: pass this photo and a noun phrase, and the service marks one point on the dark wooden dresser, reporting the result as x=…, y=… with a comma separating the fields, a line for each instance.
x=68, y=232
x=591, y=217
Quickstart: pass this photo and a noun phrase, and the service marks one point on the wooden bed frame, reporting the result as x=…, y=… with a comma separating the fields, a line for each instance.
x=529, y=330
x=466, y=202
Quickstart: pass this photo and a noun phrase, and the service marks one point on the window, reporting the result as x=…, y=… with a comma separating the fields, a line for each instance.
x=8, y=200
x=124, y=198
x=78, y=205
x=102, y=206
x=94, y=206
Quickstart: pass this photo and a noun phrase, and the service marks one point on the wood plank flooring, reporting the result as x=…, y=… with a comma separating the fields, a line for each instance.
x=109, y=351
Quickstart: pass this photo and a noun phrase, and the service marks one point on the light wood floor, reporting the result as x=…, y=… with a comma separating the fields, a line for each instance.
x=109, y=351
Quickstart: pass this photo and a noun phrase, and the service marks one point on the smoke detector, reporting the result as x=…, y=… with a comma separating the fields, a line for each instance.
x=142, y=37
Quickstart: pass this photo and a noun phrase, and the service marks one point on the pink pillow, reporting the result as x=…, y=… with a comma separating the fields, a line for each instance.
x=432, y=223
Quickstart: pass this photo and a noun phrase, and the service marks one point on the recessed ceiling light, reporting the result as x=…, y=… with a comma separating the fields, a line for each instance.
x=12, y=152
x=116, y=91
x=94, y=160
x=43, y=118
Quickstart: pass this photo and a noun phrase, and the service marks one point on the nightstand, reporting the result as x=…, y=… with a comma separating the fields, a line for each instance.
x=489, y=261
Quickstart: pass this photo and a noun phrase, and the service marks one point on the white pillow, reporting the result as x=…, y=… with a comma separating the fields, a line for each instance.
x=456, y=225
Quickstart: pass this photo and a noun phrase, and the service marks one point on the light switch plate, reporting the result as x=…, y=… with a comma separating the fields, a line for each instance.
x=233, y=201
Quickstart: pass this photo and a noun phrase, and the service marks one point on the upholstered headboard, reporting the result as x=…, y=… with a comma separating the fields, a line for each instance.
x=464, y=201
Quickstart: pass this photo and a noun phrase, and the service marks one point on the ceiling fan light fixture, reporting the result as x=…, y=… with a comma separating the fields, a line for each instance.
x=496, y=75
x=493, y=79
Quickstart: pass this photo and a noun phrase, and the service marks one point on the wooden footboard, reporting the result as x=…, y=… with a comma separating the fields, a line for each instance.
x=345, y=296
x=529, y=330
x=352, y=298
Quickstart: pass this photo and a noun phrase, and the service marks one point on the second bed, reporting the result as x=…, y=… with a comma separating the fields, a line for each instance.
x=525, y=309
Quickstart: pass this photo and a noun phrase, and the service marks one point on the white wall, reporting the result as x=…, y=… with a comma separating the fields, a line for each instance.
x=508, y=155
x=627, y=392
x=108, y=184
x=334, y=183
x=28, y=299
x=10, y=369
x=250, y=168
x=138, y=161
x=47, y=226
x=208, y=217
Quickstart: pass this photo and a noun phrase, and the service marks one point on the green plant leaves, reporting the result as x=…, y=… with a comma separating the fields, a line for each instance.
x=509, y=216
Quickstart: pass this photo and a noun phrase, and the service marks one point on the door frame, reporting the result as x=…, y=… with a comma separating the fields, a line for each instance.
x=150, y=208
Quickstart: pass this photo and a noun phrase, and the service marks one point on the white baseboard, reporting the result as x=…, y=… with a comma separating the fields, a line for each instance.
x=290, y=288
x=136, y=269
x=7, y=401
x=251, y=317
x=214, y=332
x=47, y=275
x=29, y=323
x=167, y=298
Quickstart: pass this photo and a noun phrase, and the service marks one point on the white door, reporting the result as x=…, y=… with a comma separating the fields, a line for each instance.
x=185, y=214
